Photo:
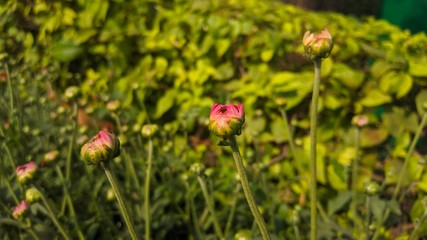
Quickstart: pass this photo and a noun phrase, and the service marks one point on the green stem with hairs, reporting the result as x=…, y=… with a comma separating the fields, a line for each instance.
x=354, y=173
x=289, y=131
x=404, y=167
x=71, y=146
x=19, y=224
x=125, y=213
x=52, y=215
x=147, y=190
x=211, y=208
x=245, y=185
x=313, y=143
x=368, y=216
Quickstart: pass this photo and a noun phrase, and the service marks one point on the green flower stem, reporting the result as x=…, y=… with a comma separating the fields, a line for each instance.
x=289, y=131
x=70, y=204
x=191, y=211
x=128, y=161
x=211, y=208
x=231, y=215
x=9, y=84
x=409, y=154
x=52, y=216
x=28, y=227
x=404, y=167
x=368, y=216
x=313, y=143
x=248, y=194
x=296, y=232
x=147, y=190
x=415, y=232
x=354, y=173
x=120, y=200
x=71, y=145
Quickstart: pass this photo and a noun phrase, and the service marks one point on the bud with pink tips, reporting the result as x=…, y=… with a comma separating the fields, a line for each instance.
x=101, y=148
x=26, y=172
x=226, y=120
x=317, y=45
x=20, y=210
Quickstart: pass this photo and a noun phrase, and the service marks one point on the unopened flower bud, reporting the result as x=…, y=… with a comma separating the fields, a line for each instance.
x=197, y=169
x=149, y=130
x=360, y=120
x=372, y=188
x=71, y=92
x=101, y=148
x=243, y=234
x=110, y=195
x=32, y=195
x=113, y=105
x=317, y=45
x=50, y=156
x=226, y=120
x=26, y=172
x=20, y=210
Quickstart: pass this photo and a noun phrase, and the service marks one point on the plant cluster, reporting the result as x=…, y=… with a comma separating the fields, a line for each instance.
x=151, y=71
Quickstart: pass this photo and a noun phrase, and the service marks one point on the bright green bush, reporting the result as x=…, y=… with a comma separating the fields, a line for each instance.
x=167, y=63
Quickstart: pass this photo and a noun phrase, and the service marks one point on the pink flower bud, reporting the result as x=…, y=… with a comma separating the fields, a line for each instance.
x=360, y=120
x=20, y=210
x=26, y=171
x=49, y=157
x=226, y=120
x=102, y=147
x=317, y=45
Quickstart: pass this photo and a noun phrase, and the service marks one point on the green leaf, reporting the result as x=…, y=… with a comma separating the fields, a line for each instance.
x=417, y=66
x=339, y=202
x=165, y=103
x=336, y=176
x=420, y=99
x=370, y=137
x=347, y=76
x=377, y=207
x=221, y=46
x=66, y=50
x=375, y=98
x=266, y=55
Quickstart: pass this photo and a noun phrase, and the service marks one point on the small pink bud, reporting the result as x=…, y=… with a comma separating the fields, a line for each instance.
x=102, y=147
x=360, y=120
x=49, y=157
x=317, y=45
x=26, y=171
x=226, y=120
x=20, y=210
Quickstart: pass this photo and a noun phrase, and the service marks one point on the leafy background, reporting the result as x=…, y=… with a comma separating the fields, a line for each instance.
x=167, y=62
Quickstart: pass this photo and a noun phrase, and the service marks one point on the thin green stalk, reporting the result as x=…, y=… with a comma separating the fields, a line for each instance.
x=128, y=161
x=313, y=143
x=415, y=232
x=404, y=167
x=71, y=146
x=147, y=190
x=52, y=216
x=409, y=154
x=192, y=212
x=70, y=204
x=29, y=229
x=368, y=216
x=211, y=207
x=9, y=84
x=296, y=232
x=354, y=173
x=120, y=200
x=231, y=215
x=289, y=131
x=245, y=184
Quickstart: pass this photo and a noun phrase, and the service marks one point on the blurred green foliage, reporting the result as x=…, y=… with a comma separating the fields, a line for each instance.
x=167, y=62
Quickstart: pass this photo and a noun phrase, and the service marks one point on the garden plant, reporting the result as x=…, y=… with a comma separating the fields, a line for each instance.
x=209, y=120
